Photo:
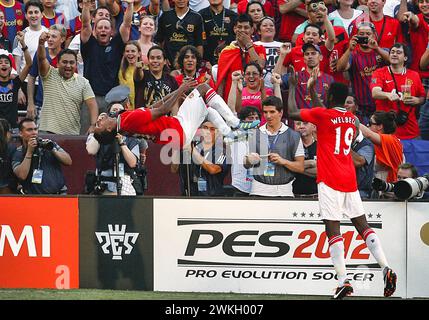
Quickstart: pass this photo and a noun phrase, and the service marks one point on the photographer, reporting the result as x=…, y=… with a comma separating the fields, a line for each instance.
x=361, y=59
x=408, y=186
x=37, y=162
x=106, y=177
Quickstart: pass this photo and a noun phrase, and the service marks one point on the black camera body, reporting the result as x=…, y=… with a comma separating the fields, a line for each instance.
x=362, y=40
x=45, y=144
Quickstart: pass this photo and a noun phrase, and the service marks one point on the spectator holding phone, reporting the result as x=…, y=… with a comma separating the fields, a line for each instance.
x=361, y=59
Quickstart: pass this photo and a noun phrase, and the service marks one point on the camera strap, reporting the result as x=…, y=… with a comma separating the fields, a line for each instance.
x=382, y=30
x=397, y=91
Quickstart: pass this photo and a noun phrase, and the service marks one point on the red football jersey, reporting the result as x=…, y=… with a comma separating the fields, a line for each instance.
x=418, y=41
x=335, y=132
x=296, y=58
x=383, y=79
x=140, y=121
x=289, y=22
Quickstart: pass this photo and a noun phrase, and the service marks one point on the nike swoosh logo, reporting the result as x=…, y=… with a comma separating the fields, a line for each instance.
x=388, y=81
x=296, y=60
x=168, y=25
x=339, y=292
x=303, y=83
x=207, y=20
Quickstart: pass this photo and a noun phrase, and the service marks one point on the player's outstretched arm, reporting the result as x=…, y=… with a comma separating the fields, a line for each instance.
x=292, y=108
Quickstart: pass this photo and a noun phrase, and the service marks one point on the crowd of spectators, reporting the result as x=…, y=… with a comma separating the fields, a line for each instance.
x=65, y=63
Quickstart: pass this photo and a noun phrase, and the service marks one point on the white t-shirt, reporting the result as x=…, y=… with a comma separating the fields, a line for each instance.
x=75, y=45
x=346, y=22
x=31, y=39
x=68, y=7
x=389, y=7
x=270, y=62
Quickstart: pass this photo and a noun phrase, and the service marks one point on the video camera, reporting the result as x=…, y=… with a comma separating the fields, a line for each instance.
x=410, y=187
x=45, y=144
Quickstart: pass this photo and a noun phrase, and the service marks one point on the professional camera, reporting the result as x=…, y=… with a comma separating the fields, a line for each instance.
x=45, y=144
x=380, y=185
x=410, y=187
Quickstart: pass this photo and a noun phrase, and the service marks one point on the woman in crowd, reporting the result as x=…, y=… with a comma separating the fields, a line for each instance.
x=147, y=32
x=388, y=149
x=251, y=92
x=267, y=30
x=132, y=52
x=345, y=13
x=154, y=84
x=256, y=11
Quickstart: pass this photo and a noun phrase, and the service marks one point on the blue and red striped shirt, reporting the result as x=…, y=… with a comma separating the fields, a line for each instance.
x=362, y=66
x=302, y=95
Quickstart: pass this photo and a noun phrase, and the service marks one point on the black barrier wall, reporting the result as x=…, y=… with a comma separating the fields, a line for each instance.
x=116, y=243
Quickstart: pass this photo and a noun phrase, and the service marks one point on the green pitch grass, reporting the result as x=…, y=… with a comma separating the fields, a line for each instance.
x=97, y=294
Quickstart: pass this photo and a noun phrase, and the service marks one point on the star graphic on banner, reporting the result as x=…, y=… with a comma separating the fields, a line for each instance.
x=303, y=214
x=370, y=215
x=378, y=216
x=311, y=214
x=295, y=214
x=319, y=215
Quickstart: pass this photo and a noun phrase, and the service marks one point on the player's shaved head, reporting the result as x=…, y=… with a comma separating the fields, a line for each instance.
x=337, y=94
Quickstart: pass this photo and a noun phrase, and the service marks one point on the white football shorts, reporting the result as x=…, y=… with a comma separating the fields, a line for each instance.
x=334, y=204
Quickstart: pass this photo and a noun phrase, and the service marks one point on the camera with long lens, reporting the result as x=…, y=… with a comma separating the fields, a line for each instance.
x=45, y=144
x=383, y=186
x=411, y=188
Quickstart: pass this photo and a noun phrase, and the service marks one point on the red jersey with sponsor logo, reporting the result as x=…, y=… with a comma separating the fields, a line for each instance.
x=140, y=121
x=383, y=79
x=335, y=132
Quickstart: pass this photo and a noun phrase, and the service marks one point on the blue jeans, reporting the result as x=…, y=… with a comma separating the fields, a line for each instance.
x=424, y=121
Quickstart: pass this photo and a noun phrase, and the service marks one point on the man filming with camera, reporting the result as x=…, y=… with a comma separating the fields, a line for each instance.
x=37, y=162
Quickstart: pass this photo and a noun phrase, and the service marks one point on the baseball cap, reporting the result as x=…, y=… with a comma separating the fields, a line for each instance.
x=117, y=94
x=311, y=45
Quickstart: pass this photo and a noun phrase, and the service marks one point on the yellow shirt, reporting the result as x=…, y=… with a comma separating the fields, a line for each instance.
x=129, y=82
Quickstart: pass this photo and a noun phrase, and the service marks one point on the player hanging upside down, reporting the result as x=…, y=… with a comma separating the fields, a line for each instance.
x=336, y=178
x=203, y=102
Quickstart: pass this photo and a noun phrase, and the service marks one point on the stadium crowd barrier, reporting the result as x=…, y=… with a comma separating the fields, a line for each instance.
x=202, y=245
x=416, y=152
